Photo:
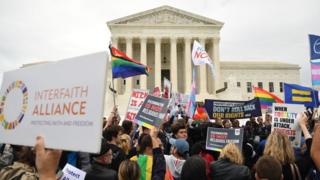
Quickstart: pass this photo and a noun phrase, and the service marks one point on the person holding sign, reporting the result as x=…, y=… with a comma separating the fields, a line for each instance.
x=230, y=165
x=150, y=158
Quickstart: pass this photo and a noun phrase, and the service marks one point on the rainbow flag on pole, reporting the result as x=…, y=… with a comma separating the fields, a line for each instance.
x=266, y=98
x=124, y=66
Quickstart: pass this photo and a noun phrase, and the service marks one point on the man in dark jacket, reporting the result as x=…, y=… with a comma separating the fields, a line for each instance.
x=225, y=170
x=98, y=169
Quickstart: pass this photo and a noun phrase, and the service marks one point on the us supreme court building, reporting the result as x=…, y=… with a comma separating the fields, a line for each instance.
x=162, y=38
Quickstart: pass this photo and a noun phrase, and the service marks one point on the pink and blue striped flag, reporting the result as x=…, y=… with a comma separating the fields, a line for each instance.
x=315, y=73
x=191, y=106
x=315, y=60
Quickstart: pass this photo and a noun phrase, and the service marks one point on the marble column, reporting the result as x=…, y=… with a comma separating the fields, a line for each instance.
x=216, y=61
x=187, y=65
x=129, y=54
x=173, y=64
x=143, y=60
x=157, y=63
x=203, y=72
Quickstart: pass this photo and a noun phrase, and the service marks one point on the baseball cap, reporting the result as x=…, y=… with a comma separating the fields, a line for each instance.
x=181, y=145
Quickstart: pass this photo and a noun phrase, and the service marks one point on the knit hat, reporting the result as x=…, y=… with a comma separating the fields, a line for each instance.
x=105, y=147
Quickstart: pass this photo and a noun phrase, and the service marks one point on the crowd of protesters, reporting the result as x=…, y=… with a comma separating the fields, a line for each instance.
x=175, y=151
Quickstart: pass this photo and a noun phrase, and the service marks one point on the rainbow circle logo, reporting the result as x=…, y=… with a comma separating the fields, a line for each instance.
x=14, y=123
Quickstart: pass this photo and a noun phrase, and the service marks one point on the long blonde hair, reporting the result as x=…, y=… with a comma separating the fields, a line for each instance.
x=125, y=143
x=129, y=170
x=279, y=147
x=232, y=153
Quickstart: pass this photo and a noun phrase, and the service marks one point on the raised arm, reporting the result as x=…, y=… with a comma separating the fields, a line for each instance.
x=47, y=160
x=315, y=147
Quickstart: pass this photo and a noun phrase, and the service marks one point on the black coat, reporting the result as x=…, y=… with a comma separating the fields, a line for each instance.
x=226, y=170
x=100, y=172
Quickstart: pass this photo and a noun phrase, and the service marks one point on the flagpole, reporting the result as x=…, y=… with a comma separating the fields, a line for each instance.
x=113, y=93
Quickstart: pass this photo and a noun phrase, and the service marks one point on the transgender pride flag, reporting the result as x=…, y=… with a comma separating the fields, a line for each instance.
x=315, y=60
x=315, y=73
x=191, y=105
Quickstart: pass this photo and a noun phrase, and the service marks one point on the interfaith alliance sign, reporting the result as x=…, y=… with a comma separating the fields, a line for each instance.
x=59, y=100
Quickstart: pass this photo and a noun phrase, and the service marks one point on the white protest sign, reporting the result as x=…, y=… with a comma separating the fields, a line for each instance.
x=136, y=99
x=284, y=119
x=72, y=173
x=59, y=101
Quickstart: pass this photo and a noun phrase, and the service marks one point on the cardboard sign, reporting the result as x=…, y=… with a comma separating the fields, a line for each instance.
x=152, y=111
x=217, y=138
x=59, y=101
x=136, y=99
x=233, y=109
x=284, y=119
x=72, y=173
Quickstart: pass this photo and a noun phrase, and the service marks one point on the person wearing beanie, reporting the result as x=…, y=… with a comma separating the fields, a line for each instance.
x=99, y=169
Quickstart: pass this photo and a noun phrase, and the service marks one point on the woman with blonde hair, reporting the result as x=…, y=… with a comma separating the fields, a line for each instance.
x=230, y=165
x=129, y=170
x=125, y=143
x=279, y=147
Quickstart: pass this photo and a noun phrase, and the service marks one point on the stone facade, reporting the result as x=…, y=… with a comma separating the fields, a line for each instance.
x=162, y=38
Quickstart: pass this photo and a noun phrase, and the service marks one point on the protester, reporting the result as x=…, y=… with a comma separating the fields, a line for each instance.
x=99, y=169
x=303, y=159
x=194, y=169
x=125, y=143
x=268, y=168
x=179, y=130
x=197, y=140
x=6, y=155
x=23, y=166
x=150, y=157
x=127, y=127
x=129, y=170
x=227, y=123
x=112, y=135
x=229, y=166
x=279, y=147
x=235, y=123
x=315, y=150
x=179, y=154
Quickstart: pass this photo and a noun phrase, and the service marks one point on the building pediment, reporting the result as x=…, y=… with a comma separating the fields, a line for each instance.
x=165, y=15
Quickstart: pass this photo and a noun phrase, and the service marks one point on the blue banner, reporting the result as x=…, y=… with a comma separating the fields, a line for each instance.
x=233, y=109
x=314, y=46
x=296, y=94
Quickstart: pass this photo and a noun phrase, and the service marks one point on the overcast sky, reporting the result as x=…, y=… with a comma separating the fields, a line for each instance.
x=254, y=30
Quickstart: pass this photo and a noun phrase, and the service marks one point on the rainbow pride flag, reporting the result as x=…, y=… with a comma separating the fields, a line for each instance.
x=124, y=66
x=266, y=98
x=145, y=163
